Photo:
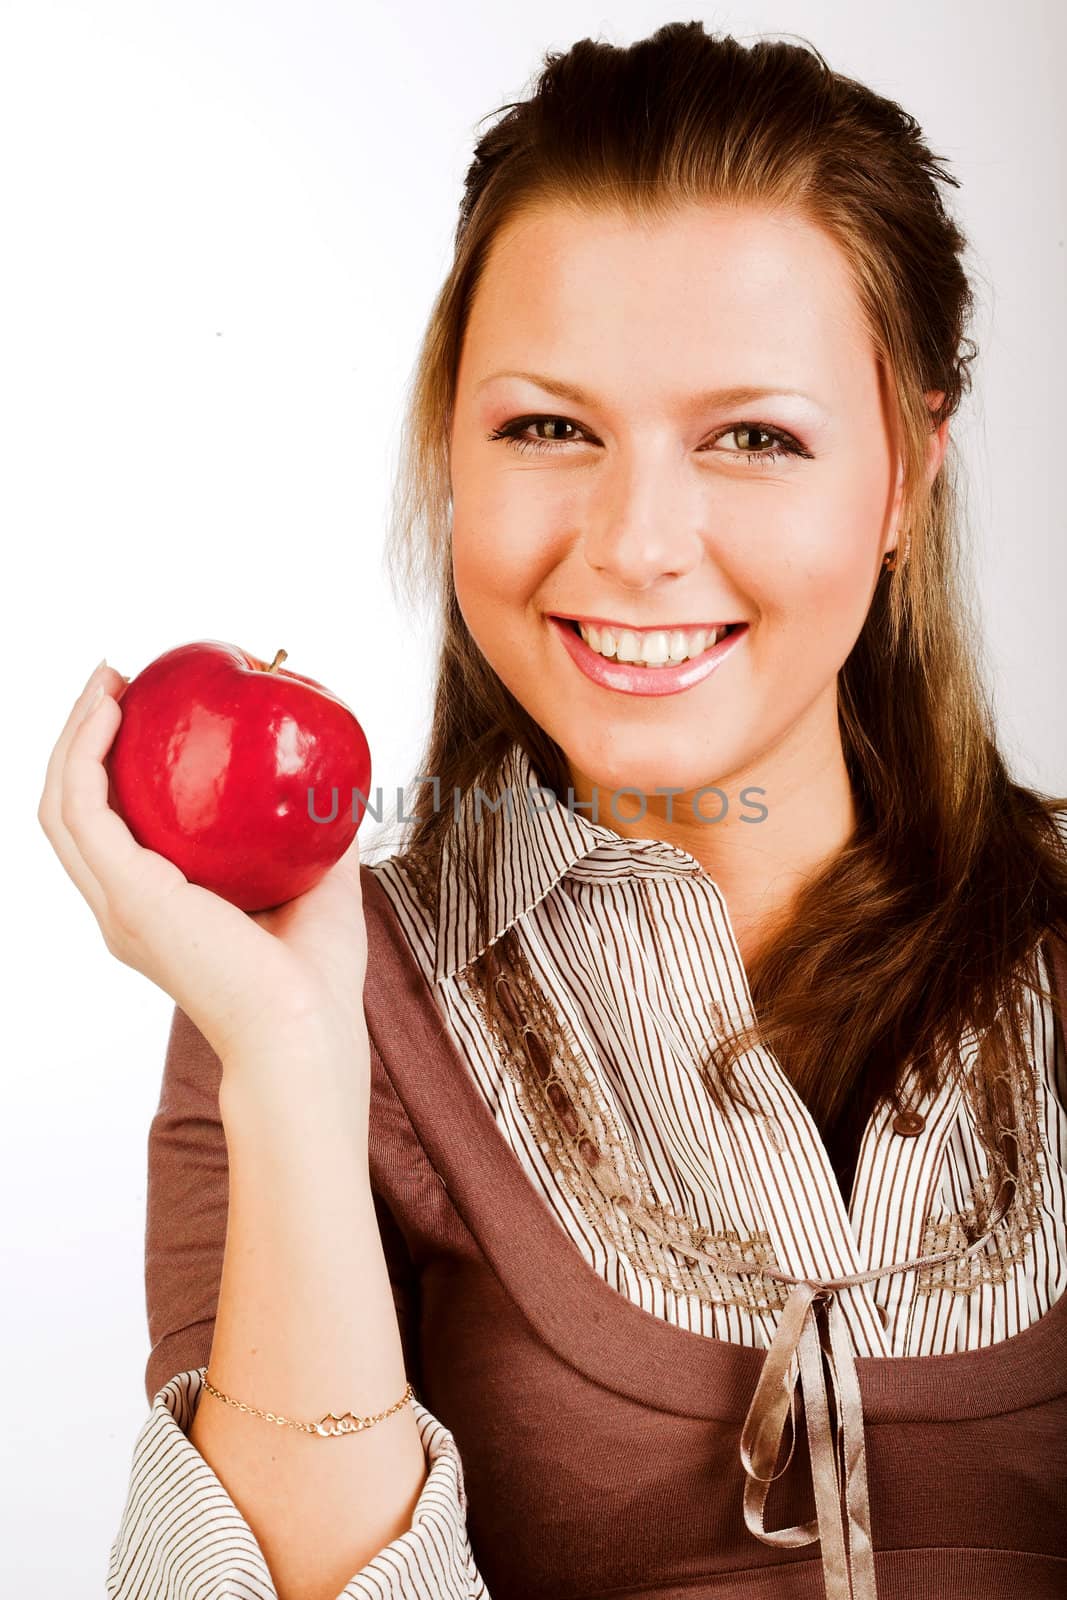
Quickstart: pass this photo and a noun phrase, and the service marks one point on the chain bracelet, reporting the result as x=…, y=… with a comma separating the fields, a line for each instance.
x=346, y=1424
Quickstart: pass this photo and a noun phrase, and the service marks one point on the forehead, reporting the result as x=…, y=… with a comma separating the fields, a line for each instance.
x=711, y=293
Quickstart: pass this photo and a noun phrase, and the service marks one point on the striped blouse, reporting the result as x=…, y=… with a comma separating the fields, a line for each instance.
x=631, y=942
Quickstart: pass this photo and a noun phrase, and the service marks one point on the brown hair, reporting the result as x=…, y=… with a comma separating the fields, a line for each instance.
x=921, y=924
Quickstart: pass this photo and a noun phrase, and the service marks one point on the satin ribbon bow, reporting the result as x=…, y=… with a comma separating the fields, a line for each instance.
x=836, y=1465
x=837, y=1449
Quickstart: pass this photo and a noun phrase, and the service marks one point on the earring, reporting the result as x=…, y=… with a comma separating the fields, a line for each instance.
x=889, y=561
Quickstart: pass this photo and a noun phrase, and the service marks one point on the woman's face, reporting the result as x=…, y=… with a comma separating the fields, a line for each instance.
x=641, y=498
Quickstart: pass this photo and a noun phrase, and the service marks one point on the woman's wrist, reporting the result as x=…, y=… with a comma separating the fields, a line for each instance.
x=316, y=1087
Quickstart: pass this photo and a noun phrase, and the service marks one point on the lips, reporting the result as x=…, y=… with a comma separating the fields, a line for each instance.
x=628, y=678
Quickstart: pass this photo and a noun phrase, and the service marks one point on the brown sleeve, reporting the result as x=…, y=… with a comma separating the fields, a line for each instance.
x=186, y=1207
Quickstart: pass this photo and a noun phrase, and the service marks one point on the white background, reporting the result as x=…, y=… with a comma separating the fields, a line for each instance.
x=223, y=226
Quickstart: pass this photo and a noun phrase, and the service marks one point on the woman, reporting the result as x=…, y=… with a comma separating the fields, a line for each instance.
x=750, y=1073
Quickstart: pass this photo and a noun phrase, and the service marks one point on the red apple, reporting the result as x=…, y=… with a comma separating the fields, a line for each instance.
x=222, y=764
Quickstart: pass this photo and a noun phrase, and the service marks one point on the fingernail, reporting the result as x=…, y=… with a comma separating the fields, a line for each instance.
x=101, y=663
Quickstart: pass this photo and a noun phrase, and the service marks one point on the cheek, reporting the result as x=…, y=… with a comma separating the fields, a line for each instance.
x=821, y=590
x=472, y=560
x=502, y=551
x=480, y=554
x=495, y=576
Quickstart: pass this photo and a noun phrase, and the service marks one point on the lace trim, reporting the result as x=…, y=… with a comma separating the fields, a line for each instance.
x=591, y=1154
x=1014, y=1147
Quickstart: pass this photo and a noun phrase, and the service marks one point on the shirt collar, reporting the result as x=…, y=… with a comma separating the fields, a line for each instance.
x=535, y=840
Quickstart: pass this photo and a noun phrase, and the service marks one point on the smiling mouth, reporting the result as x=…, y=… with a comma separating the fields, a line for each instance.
x=648, y=647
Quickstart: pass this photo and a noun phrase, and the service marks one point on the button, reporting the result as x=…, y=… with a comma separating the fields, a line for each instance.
x=883, y=1316
x=773, y=1129
x=909, y=1123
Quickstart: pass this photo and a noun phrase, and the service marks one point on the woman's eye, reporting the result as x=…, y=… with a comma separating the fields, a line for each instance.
x=752, y=438
x=513, y=434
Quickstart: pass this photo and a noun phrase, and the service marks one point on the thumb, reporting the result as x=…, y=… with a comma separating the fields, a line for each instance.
x=336, y=894
x=347, y=867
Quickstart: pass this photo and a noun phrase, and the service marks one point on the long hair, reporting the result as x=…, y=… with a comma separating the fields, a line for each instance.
x=927, y=921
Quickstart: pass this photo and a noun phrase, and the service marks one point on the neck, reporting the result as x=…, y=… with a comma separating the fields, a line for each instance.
x=759, y=866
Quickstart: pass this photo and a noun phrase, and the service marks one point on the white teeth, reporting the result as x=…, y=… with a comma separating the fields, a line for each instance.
x=656, y=649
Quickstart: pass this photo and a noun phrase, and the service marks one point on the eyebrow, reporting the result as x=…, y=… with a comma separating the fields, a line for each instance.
x=733, y=395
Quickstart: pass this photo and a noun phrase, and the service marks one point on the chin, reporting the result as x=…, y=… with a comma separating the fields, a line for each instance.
x=637, y=759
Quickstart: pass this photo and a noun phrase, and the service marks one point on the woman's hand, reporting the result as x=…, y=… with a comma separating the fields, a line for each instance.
x=252, y=982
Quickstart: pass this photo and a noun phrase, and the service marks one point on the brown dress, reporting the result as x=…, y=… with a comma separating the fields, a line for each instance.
x=601, y=1445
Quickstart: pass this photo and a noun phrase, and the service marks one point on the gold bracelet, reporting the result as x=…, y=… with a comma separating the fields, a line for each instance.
x=346, y=1424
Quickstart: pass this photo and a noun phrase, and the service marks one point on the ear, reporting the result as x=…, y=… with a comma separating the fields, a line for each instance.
x=938, y=444
x=935, y=454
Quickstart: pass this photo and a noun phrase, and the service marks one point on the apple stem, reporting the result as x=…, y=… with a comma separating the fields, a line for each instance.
x=278, y=659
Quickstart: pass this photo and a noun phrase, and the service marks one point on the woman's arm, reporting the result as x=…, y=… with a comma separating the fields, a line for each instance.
x=306, y=1325
x=229, y=1511
x=181, y=1535
x=305, y=1321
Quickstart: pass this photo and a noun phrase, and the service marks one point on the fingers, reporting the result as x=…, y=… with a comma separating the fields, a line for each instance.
x=112, y=682
x=131, y=890
x=50, y=806
x=103, y=840
x=191, y=943
x=58, y=810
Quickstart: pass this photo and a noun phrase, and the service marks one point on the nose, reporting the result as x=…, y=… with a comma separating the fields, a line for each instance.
x=641, y=528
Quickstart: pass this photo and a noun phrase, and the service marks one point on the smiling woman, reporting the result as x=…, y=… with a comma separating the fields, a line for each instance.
x=661, y=506
x=673, y=1123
